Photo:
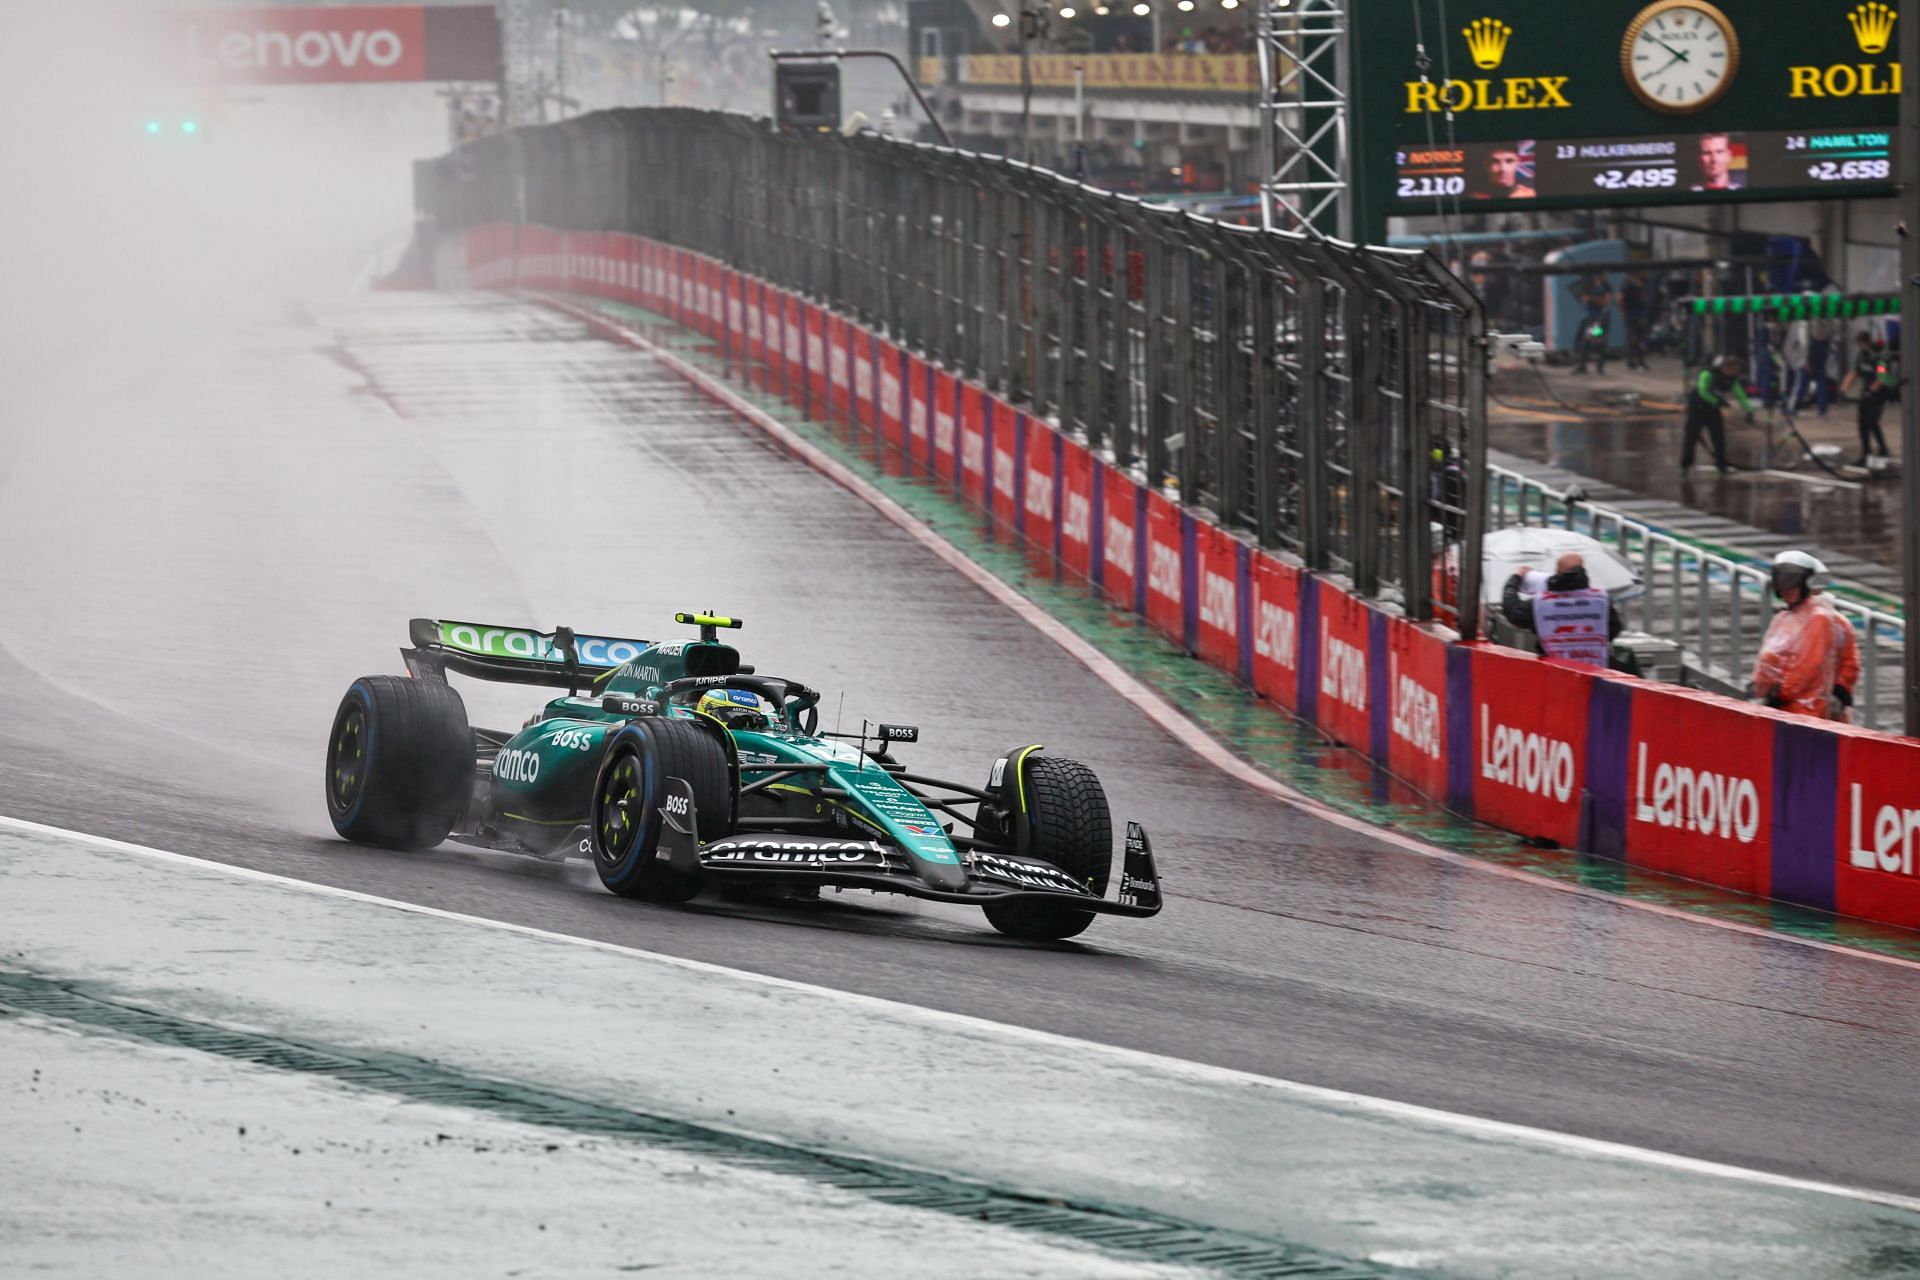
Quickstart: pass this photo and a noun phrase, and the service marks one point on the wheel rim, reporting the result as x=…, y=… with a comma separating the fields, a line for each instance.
x=617, y=808
x=347, y=763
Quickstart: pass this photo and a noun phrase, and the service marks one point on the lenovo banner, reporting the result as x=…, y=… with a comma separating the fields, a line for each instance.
x=1416, y=704
x=1080, y=505
x=1040, y=494
x=1877, y=828
x=1005, y=447
x=973, y=444
x=1345, y=668
x=1276, y=629
x=1123, y=539
x=335, y=45
x=1529, y=734
x=1166, y=568
x=1219, y=576
x=1700, y=788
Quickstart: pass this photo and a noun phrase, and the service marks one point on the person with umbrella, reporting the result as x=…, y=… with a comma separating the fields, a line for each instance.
x=1574, y=620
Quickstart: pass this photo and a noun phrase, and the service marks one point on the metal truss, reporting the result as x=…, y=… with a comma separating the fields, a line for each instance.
x=1304, y=147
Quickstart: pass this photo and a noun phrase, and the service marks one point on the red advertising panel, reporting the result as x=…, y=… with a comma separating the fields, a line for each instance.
x=773, y=311
x=733, y=284
x=946, y=420
x=1877, y=836
x=815, y=328
x=919, y=414
x=1121, y=537
x=861, y=344
x=1529, y=728
x=1166, y=605
x=630, y=247
x=1216, y=579
x=794, y=330
x=889, y=406
x=716, y=298
x=839, y=370
x=753, y=318
x=696, y=299
x=1038, y=499
x=1276, y=630
x=1417, y=704
x=973, y=444
x=706, y=296
x=1345, y=667
x=1700, y=788
x=1079, y=473
x=1006, y=465
x=349, y=45
x=676, y=287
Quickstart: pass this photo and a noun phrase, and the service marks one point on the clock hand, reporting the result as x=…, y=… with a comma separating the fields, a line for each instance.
x=1679, y=55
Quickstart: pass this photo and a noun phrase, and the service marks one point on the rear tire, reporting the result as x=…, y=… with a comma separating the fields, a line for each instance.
x=399, y=762
x=1069, y=825
x=628, y=794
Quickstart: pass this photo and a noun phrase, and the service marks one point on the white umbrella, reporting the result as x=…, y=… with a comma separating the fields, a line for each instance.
x=1506, y=551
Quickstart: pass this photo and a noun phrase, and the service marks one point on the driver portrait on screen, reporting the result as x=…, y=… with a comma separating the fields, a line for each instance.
x=1716, y=165
x=1506, y=174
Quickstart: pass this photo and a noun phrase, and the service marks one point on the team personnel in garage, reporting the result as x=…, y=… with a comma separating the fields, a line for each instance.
x=1873, y=366
x=1809, y=661
x=1706, y=411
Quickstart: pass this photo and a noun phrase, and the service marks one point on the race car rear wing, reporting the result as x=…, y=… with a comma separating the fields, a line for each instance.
x=514, y=655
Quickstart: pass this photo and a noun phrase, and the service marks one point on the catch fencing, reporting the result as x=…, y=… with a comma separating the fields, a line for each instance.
x=1323, y=400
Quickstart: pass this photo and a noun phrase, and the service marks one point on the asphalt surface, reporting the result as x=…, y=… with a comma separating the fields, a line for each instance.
x=211, y=544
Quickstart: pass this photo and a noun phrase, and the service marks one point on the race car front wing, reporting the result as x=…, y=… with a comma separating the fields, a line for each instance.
x=868, y=864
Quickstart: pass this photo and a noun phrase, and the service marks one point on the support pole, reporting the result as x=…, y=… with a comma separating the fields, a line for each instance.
x=1908, y=159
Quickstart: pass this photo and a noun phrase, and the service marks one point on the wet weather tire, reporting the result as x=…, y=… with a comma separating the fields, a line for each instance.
x=399, y=762
x=1070, y=826
x=628, y=794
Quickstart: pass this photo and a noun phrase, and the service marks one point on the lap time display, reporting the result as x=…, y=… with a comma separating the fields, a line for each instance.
x=1624, y=170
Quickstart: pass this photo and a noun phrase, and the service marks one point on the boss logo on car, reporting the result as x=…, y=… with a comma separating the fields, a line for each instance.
x=677, y=805
x=516, y=765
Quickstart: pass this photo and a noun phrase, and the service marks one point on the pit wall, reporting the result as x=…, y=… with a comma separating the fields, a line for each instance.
x=1656, y=776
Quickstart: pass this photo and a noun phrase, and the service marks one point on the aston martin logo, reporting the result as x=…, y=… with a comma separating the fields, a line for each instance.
x=1872, y=25
x=1487, y=40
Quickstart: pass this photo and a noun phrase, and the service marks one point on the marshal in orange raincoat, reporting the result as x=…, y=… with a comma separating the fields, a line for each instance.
x=1808, y=651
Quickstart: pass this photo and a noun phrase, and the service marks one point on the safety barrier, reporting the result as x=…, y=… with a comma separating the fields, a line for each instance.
x=1659, y=777
x=1714, y=606
x=1325, y=399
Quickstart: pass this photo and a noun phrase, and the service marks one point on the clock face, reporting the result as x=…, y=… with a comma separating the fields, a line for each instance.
x=1680, y=55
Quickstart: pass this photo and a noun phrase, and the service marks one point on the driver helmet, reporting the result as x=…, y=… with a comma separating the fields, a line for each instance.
x=1796, y=568
x=737, y=708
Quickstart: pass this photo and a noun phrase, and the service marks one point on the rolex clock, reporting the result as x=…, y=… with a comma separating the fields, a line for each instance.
x=1679, y=56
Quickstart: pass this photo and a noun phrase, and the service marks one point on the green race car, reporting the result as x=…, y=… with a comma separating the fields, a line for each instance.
x=674, y=766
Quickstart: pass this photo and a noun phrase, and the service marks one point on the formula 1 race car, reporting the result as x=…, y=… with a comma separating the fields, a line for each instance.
x=673, y=766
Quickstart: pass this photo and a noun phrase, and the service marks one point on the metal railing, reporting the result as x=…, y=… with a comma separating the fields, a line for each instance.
x=1715, y=607
x=1325, y=399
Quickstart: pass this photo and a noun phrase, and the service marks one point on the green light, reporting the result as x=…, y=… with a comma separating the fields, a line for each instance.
x=188, y=126
x=153, y=126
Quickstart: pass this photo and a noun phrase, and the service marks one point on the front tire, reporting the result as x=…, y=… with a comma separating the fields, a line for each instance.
x=629, y=792
x=399, y=762
x=1069, y=825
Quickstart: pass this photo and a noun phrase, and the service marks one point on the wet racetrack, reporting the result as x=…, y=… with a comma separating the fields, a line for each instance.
x=226, y=534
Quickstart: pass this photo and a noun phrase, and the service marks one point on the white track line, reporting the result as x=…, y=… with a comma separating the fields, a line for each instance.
x=1193, y=1071
x=1151, y=704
